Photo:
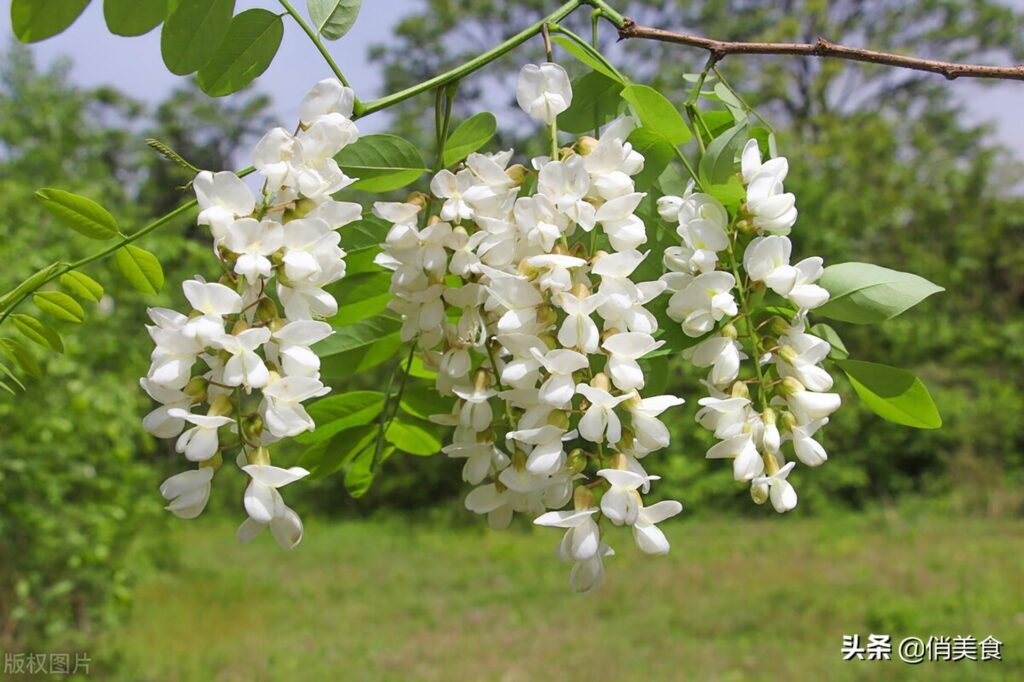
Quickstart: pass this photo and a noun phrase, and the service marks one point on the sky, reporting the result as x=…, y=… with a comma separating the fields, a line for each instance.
x=134, y=66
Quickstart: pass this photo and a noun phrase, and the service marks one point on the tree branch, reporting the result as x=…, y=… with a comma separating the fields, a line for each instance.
x=719, y=49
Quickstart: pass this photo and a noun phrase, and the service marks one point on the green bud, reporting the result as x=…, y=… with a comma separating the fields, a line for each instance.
x=559, y=418
x=299, y=209
x=260, y=455
x=582, y=498
x=729, y=332
x=759, y=493
x=196, y=389
x=778, y=326
x=739, y=390
x=576, y=461
x=221, y=407
x=790, y=386
x=266, y=310
x=252, y=427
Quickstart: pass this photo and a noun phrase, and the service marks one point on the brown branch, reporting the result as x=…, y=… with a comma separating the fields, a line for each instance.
x=719, y=49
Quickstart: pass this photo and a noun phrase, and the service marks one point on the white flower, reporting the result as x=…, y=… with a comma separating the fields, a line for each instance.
x=175, y=352
x=648, y=429
x=806, y=405
x=747, y=463
x=476, y=411
x=581, y=540
x=808, y=450
x=487, y=499
x=214, y=301
x=223, y=197
x=266, y=507
x=621, y=503
x=624, y=229
x=158, y=422
x=547, y=455
x=772, y=209
x=704, y=301
x=245, y=367
x=559, y=388
x=328, y=96
x=276, y=157
x=649, y=538
x=780, y=491
x=625, y=349
x=200, y=442
x=600, y=419
x=543, y=91
x=722, y=354
x=798, y=357
x=293, y=341
x=480, y=458
x=284, y=414
x=805, y=293
x=579, y=330
x=451, y=187
x=588, y=574
x=725, y=416
x=187, y=492
x=254, y=240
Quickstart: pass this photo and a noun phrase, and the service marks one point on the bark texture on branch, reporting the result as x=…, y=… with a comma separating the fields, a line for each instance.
x=719, y=49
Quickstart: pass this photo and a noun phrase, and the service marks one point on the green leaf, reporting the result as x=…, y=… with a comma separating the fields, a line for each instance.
x=35, y=20
x=82, y=285
x=360, y=474
x=595, y=101
x=344, y=365
x=140, y=268
x=30, y=284
x=59, y=305
x=245, y=53
x=413, y=438
x=719, y=161
x=424, y=401
x=193, y=32
x=731, y=193
x=12, y=376
x=327, y=456
x=333, y=18
x=862, y=293
x=360, y=297
x=657, y=152
x=37, y=332
x=79, y=213
x=367, y=231
x=21, y=356
x=656, y=113
x=824, y=331
x=893, y=394
x=586, y=55
x=7, y=388
x=471, y=135
x=359, y=334
x=339, y=412
x=381, y=162
x=133, y=17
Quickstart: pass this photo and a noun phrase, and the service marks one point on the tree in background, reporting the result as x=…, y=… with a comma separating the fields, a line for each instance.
x=73, y=527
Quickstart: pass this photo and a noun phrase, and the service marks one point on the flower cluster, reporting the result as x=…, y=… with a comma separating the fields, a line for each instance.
x=524, y=301
x=233, y=372
x=703, y=274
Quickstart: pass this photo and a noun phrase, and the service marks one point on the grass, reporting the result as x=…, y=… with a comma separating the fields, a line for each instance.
x=735, y=600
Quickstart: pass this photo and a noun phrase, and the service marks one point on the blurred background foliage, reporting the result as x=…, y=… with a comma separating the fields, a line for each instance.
x=884, y=168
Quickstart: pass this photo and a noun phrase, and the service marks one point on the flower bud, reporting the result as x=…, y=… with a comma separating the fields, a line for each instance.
x=252, y=427
x=790, y=386
x=240, y=326
x=729, y=332
x=546, y=316
x=517, y=174
x=746, y=227
x=260, y=455
x=582, y=498
x=585, y=145
x=619, y=461
x=559, y=418
x=788, y=420
x=266, y=310
x=601, y=381
x=739, y=390
x=576, y=461
x=196, y=389
x=221, y=407
x=788, y=354
x=778, y=326
x=770, y=439
x=299, y=209
x=418, y=199
x=276, y=325
x=759, y=492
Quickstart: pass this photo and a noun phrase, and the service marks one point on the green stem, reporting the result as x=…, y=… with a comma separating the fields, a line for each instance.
x=689, y=168
x=743, y=102
x=588, y=48
x=472, y=65
x=386, y=419
x=746, y=312
x=319, y=44
x=608, y=12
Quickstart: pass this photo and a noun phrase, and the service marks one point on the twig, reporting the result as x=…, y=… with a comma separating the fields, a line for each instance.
x=719, y=49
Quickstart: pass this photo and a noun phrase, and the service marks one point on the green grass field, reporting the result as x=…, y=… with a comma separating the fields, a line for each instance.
x=735, y=600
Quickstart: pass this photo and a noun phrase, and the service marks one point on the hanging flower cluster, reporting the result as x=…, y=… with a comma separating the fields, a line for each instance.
x=232, y=374
x=524, y=303
x=749, y=255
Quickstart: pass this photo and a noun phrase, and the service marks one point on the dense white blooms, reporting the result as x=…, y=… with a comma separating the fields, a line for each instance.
x=715, y=303
x=517, y=299
x=234, y=372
